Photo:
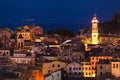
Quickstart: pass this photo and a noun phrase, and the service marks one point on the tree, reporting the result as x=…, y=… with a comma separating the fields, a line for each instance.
x=65, y=33
x=51, y=32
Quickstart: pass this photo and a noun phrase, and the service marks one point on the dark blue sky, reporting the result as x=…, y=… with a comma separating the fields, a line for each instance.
x=52, y=14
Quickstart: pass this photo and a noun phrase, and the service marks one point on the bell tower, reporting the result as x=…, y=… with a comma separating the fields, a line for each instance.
x=95, y=33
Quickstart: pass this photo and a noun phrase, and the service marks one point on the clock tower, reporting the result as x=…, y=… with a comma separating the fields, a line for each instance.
x=95, y=33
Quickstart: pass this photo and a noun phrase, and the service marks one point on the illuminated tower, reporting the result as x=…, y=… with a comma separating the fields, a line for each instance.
x=95, y=30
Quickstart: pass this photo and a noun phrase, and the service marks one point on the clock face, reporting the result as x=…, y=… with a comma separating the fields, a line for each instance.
x=94, y=35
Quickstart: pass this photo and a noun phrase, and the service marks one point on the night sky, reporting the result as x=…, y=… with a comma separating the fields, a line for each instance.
x=56, y=14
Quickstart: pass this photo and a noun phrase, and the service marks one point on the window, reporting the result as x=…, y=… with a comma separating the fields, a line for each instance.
x=75, y=73
x=100, y=73
x=73, y=68
x=116, y=65
x=93, y=58
x=80, y=57
x=21, y=44
x=86, y=68
x=82, y=73
x=70, y=68
x=95, y=68
x=79, y=73
x=101, y=67
x=76, y=68
x=96, y=58
x=18, y=44
x=7, y=52
x=58, y=65
x=53, y=65
x=89, y=73
x=113, y=65
x=69, y=73
x=58, y=75
x=86, y=73
x=79, y=68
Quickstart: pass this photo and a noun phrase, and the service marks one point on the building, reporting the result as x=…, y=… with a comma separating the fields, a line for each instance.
x=51, y=66
x=97, y=57
x=22, y=57
x=39, y=38
x=31, y=73
x=56, y=75
x=87, y=70
x=115, y=67
x=5, y=63
x=97, y=37
x=74, y=69
x=28, y=44
x=50, y=56
x=95, y=33
x=35, y=30
x=4, y=52
x=22, y=35
x=103, y=66
x=107, y=39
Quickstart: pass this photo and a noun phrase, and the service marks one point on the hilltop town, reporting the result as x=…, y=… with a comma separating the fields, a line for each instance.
x=29, y=54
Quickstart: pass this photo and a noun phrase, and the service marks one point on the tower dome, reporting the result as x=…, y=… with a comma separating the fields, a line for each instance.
x=94, y=20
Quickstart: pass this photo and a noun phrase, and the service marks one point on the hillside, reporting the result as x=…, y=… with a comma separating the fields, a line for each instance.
x=112, y=26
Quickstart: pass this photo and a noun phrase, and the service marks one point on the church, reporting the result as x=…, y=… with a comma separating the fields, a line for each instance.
x=95, y=33
x=95, y=37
